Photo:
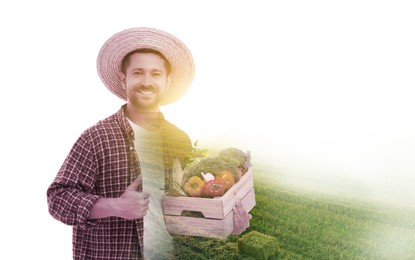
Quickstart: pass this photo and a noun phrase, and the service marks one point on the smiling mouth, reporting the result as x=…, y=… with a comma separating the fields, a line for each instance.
x=146, y=90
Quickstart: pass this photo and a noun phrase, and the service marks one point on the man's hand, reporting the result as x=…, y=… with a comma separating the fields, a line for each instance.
x=240, y=219
x=130, y=205
x=133, y=204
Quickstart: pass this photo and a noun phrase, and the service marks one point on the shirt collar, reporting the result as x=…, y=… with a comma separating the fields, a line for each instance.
x=125, y=125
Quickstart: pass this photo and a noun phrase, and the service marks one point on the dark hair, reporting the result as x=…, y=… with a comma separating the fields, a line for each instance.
x=126, y=61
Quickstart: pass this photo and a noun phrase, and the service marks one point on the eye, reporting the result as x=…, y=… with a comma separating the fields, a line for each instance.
x=137, y=73
x=157, y=74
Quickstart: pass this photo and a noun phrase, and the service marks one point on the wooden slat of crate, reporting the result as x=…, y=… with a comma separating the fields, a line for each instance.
x=239, y=191
x=216, y=208
x=205, y=227
x=248, y=201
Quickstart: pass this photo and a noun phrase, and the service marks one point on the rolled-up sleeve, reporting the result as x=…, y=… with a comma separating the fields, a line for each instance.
x=70, y=196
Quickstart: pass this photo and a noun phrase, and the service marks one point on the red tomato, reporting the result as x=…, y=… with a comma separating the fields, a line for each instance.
x=213, y=188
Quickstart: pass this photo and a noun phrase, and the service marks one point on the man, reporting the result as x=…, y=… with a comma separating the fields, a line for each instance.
x=110, y=186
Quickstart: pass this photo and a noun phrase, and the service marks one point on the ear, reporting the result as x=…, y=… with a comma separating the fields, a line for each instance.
x=168, y=81
x=123, y=79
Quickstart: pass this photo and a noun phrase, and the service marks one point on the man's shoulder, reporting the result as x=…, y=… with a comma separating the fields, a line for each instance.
x=171, y=128
x=105, y=127
x=104, y=124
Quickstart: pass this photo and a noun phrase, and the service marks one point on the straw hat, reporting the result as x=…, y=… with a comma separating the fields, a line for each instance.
x=120, y=44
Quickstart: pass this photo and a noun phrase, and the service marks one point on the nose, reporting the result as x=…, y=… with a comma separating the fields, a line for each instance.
x=147, y=81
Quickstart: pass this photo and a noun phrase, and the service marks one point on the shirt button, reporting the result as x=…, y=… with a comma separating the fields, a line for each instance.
x=131, y=148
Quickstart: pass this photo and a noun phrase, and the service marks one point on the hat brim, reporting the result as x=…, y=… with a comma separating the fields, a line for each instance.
x=120, y=44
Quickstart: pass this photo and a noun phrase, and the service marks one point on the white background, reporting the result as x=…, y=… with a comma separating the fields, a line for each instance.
x=314, y=88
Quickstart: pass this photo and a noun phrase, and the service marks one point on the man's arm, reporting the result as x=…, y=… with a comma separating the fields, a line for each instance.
x=67, y=196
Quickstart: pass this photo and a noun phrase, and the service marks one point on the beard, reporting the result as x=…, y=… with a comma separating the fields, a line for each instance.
x=145, y=97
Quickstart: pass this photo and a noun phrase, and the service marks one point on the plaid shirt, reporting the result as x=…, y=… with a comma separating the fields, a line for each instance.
x=102, y=163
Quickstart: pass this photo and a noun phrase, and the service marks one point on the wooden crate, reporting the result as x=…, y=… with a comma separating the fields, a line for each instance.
x=218, y=215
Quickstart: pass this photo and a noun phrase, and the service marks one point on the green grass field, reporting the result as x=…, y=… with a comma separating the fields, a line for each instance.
x=313, y=226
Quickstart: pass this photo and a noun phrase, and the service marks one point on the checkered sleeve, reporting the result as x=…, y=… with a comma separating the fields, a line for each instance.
x=70, y=196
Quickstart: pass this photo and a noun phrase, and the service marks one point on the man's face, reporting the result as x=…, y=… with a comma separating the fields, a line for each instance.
x=146, y=81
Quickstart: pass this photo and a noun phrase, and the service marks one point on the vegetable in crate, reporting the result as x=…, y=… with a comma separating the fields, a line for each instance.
x=213, y=188
x=195, y=154
x=237, y=158
x=226, y=178
x=213, y=165
x=175, y=185
x=194, y=186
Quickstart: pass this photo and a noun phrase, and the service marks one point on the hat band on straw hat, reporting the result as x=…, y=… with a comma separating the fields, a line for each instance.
x=112, y=53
